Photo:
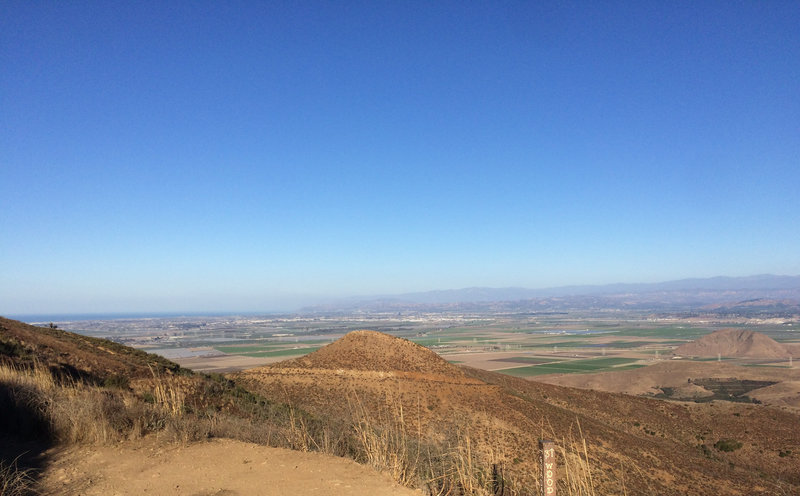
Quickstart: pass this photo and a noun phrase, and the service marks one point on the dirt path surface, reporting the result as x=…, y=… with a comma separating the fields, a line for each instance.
x=219, y=467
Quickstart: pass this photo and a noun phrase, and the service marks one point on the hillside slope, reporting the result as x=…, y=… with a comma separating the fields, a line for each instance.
x=650, y=446
x=76, y=355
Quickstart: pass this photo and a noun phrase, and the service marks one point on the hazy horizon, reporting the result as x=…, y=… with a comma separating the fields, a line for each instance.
x=298, y=302
x=168, y=157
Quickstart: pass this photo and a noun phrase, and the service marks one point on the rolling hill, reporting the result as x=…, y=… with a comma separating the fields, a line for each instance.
x=738, y=343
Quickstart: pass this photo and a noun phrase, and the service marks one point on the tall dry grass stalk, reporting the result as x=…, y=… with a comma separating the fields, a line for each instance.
x=577, y=471
x=168, y=394
x=298, y=434
x=384, y=440
x=15, y=481
x=453, y=464
x=575, y=477
x=459, y=468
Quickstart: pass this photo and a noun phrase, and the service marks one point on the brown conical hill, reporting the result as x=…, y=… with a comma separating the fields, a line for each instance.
x=376, y=352
x=739, y=343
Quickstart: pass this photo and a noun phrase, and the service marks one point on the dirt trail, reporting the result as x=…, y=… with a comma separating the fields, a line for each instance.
x=218, y=467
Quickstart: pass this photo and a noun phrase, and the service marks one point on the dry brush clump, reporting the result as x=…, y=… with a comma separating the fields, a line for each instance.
x=459, y=457
x=384, y=442
x=453, y=459
x=44, y=404
x=41, y=404
x=15, y=481
x=47, y=405
x=577, y=478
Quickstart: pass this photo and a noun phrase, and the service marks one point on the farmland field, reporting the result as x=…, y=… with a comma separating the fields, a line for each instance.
x=286, y=352
x=524, y=345
x=571, y=367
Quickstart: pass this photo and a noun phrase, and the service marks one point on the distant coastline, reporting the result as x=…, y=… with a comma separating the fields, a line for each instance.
x=73, y=317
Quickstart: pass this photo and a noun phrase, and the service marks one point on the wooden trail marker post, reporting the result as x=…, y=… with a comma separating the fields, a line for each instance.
x=548, y=467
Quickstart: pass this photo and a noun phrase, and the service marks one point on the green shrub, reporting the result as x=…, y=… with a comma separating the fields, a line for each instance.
x=727, y=445
x=12, y=349
x=117, y=382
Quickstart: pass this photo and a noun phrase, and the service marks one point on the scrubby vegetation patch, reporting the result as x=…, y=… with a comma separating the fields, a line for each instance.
x=727, y=445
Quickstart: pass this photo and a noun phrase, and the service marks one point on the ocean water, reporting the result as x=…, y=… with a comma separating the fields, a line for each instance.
x=74, y=317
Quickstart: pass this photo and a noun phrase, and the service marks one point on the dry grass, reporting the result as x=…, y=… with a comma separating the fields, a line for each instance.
x=59, y=408
x=38, y=377
x=451, y=462
x=384, y=440
x=458, y=468
x=15, y=481
x=577, y=479
x=458, y=463
x=168, y=394
x=298, y=435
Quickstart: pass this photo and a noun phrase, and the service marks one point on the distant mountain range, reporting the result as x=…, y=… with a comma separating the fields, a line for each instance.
x=753, y=294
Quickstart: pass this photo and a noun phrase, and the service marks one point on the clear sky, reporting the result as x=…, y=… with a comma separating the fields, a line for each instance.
x=199, y=155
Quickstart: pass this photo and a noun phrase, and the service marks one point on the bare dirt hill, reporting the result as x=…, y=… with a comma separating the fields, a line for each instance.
x=375, y=352
x=740, y=343
x=655, y=447
x=219, y=467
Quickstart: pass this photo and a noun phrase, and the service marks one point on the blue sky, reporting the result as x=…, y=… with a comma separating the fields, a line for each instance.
x=191, y=156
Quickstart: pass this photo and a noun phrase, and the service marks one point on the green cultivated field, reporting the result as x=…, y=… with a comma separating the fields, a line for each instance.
x=265, y=350
x=441, y=340
x=574, y=343
x=681, y=332
x=283, y=352
x=531, y=360
x=240, y=350
x=572, y=367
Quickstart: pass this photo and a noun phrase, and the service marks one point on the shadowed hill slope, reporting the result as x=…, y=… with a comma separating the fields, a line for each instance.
x=635, y=445
x=740, y=343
